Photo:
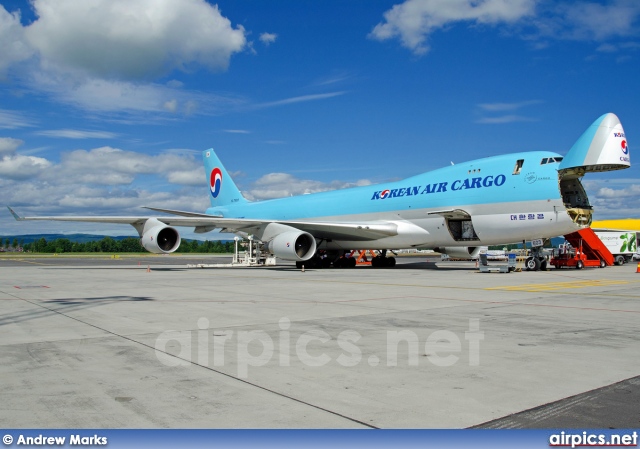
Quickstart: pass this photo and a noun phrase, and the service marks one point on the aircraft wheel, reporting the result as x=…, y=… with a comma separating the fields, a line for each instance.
x=603, y=264
x=532, y=264
x=580, y=265
x=543, y=265
x=390, y=262
x=375, y=262
x=351, y=262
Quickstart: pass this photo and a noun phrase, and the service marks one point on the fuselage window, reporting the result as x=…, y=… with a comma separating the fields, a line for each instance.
x=518, y=168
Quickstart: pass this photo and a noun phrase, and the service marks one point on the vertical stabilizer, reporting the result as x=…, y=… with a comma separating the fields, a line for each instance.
x=602, y=147
x=222, y=189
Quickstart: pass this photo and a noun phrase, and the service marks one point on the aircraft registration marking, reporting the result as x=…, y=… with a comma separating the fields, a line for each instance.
x=558, y=285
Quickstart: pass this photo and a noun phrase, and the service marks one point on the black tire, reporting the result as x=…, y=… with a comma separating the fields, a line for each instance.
x=580, y=265
x=603, y=264
x=376, y=262
x=619, y=260
x=351, y=262
x=532, y=264
x=391, y=262
x=543, y=265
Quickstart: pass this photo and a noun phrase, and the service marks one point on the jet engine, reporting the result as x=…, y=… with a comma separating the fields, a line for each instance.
x=460, y=252
x=293, y=245
x=158, y=238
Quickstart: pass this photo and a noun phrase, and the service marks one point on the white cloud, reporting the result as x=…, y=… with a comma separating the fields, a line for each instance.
x=13, y=120
x=236, y=131
x=132, y=40
x=300, y=99
x=499, y=107
x=17, y=166
x=414, y=20
x=613, y=197
x=593, y=21
x=9, y=145
x=268, y=38
x=103, y=55
x=171, y=105
x=12, y=41
x=101, y=181
x=112, y=166
x=510, y=118
x=503, y=108
x=77, y=134
x=279, y=185
x=609, y=193
x=195, y=177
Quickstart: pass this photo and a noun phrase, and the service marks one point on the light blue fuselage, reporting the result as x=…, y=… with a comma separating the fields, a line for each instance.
x=487, y=189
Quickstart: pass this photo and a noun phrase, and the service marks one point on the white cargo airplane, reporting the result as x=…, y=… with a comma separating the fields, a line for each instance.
x=455, y=209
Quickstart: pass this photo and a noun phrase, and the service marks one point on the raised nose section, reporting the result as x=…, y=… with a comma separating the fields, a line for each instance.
x=602, y=147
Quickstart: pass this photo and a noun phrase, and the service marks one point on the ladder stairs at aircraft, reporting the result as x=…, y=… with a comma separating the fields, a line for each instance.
x=594, y=251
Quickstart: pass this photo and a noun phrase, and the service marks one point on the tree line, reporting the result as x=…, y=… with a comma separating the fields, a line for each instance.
x=126, y=245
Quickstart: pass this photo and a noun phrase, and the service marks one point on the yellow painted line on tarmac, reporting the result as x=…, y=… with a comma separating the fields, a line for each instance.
x=28, y=261
x=559, y=285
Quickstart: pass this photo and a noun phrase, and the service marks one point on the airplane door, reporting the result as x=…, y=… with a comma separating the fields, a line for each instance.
x=459, y=224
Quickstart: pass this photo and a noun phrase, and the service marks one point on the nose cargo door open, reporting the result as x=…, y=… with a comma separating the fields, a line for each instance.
x=602, y=147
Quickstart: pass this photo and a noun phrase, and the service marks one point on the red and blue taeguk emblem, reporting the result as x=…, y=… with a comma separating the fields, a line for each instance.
x=216, y=182
x=384, y=194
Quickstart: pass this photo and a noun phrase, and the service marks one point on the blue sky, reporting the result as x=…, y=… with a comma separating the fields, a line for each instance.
x=106, y=105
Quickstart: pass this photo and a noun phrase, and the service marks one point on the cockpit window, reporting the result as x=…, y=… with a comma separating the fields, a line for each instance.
x=550, y=160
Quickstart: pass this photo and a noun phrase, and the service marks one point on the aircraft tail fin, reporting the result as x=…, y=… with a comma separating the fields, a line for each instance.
x=602, y=147
x=222, y=190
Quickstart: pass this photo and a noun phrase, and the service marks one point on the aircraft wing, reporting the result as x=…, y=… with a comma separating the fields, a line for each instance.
x=356, y=231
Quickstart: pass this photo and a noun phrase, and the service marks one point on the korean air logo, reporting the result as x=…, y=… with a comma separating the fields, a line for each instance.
x=216, y=182
x=384, y=194
x=625, y=148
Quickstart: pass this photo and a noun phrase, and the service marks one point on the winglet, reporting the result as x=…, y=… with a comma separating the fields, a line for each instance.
x=16, y=216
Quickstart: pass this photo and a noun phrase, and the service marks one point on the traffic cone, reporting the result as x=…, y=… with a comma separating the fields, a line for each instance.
x=303, y=267
x=148, y=268
x=638, y=269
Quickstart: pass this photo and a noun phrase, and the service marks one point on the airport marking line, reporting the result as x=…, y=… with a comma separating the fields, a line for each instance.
x=558, y=285
x=578, y=283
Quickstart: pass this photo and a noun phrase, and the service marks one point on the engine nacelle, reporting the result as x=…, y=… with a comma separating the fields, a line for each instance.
x=158, y=238
x=293, y=245
x=460, y=252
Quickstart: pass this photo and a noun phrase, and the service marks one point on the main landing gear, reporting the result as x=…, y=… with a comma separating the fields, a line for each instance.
x=328, y=259
x=382, y=261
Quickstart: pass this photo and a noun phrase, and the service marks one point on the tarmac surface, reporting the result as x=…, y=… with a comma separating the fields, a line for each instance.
x=104, y=343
